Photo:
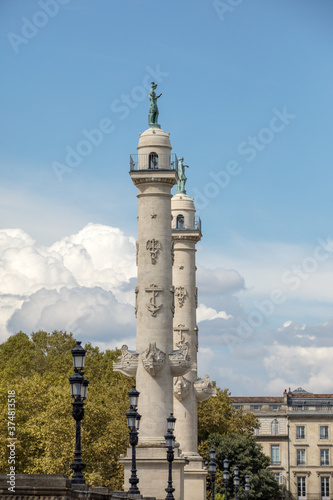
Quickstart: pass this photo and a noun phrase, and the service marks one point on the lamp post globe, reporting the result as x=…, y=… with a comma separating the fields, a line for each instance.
x=78, y=354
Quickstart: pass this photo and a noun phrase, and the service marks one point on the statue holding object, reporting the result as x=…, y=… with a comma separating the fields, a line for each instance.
x=153, y=109
x=181, y=176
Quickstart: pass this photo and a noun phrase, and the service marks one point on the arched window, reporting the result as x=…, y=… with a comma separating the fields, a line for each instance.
x=275, y=427
x=153, y=160
x=180, y=222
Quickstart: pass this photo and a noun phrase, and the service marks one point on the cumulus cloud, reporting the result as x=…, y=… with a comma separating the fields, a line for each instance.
x=62, y=286
x=308, y=367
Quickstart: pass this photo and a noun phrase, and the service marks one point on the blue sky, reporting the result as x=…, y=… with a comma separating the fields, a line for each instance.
x=247, y=99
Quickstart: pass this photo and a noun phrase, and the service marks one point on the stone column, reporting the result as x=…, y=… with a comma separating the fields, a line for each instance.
x=188, y=389
x=154, y=363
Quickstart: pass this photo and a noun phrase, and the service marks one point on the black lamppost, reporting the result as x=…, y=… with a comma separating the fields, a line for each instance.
x=133, y=423
x=170, y=442
x=212, y=470
x=79, y=388
x=236, y=481
x=226, y=477
x=247, y=487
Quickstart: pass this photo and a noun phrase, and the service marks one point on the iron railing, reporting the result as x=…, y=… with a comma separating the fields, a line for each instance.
x=153, y=161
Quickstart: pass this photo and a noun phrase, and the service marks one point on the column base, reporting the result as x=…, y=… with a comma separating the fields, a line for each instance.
x=194, y=478
x=152, y=471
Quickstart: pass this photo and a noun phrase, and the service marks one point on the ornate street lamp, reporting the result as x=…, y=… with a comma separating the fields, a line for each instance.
x=236, y=481
x=226, y=477
x=79, y=389
x=170, y=442
x=133, y=423
x=212, y=470
x=247, y=487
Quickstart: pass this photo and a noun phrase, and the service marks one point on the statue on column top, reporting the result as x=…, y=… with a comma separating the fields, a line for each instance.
x=153, y=109
x=181, y=176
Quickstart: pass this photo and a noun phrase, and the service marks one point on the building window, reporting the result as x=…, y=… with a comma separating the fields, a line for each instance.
x=180, y=222
x=278, y=477
x=300, y=457
x=325, y=487
x=324, y=432
x=275, y=454
x=275, y=407
x=300, y=432
x=275, y=427
x=153, y=160
x=238, y=407
x=301, y=487
x=324, y=457
x=256, y=407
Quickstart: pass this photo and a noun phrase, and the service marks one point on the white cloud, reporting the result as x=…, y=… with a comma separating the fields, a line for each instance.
x=207, y=313
x=293, y=366
x=85, y=280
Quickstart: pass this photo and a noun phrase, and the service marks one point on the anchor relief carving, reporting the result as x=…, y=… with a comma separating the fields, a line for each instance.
x=180, y=359
x=181, y=294
x=153, y=246
x=152, y=306
x=153, y=359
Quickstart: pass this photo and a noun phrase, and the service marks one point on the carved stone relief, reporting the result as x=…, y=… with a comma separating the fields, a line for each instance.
x=153, y=216
x=128, y=362
x=136, y=301
x=172, y=290
x=137, y=252
x=153, y=246
x=153, y=359
x=196, y=297
x=181, y=387
x=203, y=389
x=181, y=294
x=152, y=306
x=172, y=252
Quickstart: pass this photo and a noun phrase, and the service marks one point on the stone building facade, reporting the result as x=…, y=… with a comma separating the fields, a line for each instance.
x=296, y=432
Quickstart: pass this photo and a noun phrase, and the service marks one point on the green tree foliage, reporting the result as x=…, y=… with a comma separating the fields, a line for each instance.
x=217, y=416
x=244, y=452
x=230, y=432
x=38, y=368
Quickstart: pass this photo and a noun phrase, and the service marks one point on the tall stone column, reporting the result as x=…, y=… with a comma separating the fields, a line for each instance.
x=155, y=363
x=188, y=389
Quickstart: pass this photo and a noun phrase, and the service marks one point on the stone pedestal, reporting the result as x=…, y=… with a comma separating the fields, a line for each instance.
x=153, y=472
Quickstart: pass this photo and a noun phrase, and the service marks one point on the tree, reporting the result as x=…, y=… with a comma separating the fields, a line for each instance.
x=216, y=415
x=244, y=452
x=37, y=368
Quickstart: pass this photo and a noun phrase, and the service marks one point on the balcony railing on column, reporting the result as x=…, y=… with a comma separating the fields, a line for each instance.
x=153, y=161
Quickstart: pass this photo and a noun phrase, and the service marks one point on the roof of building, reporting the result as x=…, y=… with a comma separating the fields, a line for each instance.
x=259, y=399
